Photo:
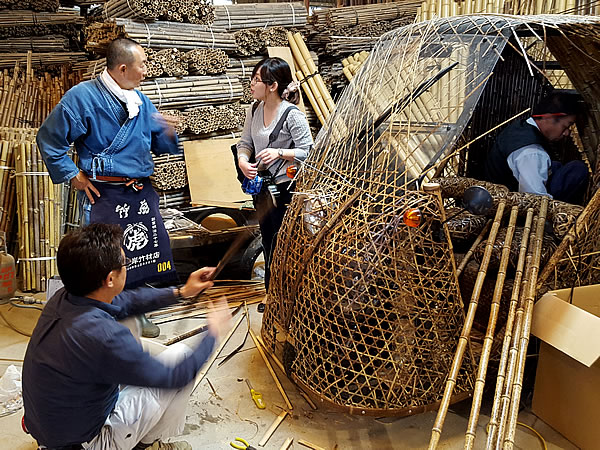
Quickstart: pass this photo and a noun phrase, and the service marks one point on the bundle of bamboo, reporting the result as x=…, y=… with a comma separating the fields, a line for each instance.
x=50, y=43
x=252, y=41
x=40, y=214
x=192, y=11
x=138, y=9
x=169, y=60
x=252, y=15
x=192, y=91
x=158, y=35
x=213, y=118
x=356, y=15
x=352, y=63
x=41, y=59
x=313, y=85
x=207, y=61
x=242, y=67
x=174, y=198
x=28, y=18
x=169, y=173
x=35, y=5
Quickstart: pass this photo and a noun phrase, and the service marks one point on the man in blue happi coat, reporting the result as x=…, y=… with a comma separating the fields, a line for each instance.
x=115, y=128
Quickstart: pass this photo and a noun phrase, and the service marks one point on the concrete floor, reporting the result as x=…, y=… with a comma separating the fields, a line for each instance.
x=216, y=418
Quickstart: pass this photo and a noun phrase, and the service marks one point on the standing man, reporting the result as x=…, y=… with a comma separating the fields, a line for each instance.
x=114, y=128
x=519, y=158
x=87, y=383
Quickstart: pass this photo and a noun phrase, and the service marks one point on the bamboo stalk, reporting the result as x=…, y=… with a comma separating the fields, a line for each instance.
x=493, y=424
x=489, y=336
x=463, y=339
x=272, y=428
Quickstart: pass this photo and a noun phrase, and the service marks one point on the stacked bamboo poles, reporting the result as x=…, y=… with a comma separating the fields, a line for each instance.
x=138, y=9
x=207, y=61
x=158, y=35
x=207, y=119
x=193, y=11
x=311, y=80
x=40, y=214
x=489, y=336
x=169, y=172
x=514, y=300
x=41, y=59
x=173, y=199
x=192, y=91
x=430, y=9
x=466, y=330
x=242, y=67
x=28, y=18
x=253, y=15
x=353, y=63
x=356, y=15
x=51, y=43
x=34, y=5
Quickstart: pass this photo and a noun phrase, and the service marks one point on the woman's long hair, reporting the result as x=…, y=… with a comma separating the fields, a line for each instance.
x=277, y=70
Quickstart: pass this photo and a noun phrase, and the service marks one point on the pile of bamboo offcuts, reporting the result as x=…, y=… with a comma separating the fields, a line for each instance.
x=252, y=41
x=253, y=15
x=192, y=91
x=206, y=119
x=40, y=215
x=158, y=35
x=25, y=100
x=34, y=5
x=430, y=9
x=353, y=63
x=169, y=172
x=236, y=291
x=310, y=79
x=192, y=11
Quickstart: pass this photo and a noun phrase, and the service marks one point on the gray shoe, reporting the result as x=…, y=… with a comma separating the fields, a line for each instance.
x=160, y=445
x=149, y=330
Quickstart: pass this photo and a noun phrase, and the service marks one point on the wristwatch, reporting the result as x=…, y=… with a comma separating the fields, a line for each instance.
x=280, y=153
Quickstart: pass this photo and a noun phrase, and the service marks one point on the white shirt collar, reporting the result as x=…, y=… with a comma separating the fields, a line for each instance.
x=128, y=96
x=531, y=121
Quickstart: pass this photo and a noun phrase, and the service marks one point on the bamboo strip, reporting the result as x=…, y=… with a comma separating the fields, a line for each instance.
x=272, y=428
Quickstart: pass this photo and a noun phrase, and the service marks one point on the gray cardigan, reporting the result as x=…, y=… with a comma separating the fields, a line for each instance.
x=295, y=133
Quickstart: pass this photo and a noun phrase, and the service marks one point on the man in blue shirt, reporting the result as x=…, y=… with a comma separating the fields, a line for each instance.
x=115, y=129
x=80, y=356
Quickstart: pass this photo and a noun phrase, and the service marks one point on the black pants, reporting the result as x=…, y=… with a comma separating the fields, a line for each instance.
x=269, y=219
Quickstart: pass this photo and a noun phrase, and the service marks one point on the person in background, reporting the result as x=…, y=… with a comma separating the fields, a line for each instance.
x=87, y=383
x=260, y=152
x=115, y=128
x=519, y=158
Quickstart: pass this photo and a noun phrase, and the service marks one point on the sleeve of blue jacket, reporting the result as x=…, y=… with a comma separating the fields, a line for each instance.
x=60, y=129
x=162, y=140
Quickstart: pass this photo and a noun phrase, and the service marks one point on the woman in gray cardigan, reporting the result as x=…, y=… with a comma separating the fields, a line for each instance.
x=272, y=87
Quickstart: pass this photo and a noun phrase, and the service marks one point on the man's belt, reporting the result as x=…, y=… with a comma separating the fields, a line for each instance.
x=135, y=183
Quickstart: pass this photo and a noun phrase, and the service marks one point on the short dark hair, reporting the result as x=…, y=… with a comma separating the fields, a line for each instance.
x=120, y=52
x=277, y=70
x=559, y=103
x=86, y=256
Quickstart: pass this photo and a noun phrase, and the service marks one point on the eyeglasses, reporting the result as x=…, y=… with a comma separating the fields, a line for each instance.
x=127, y=262
x=255, y=80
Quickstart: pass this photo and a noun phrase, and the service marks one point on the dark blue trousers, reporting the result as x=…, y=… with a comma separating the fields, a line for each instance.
x=568, y=182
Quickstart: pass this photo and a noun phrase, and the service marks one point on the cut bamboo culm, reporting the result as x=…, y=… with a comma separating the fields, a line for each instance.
x=466, y=330
x=489, y=336
x=493, y=424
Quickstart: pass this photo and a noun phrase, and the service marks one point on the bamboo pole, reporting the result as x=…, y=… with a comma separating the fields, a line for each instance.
x=272, y=428
x=526, y=330
x=463, y=339
x=489, y=336
x=493, y=424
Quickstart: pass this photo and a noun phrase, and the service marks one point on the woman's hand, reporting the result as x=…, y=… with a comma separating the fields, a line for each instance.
x=248, y=168
x=268, y=155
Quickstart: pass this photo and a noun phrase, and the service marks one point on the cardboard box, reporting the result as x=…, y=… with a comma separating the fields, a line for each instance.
x=567, y=385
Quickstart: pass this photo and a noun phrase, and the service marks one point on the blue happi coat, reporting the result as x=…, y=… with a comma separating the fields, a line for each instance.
x=90, y=116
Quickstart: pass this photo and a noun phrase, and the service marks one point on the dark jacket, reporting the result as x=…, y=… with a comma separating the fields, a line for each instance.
x=518, y=134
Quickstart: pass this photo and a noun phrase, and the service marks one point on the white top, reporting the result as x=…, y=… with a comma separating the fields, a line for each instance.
x=530, y=165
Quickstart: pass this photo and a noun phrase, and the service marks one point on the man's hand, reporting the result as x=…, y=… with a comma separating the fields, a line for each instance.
x=247, y=168
x=197, y=282
x=219, y=318
x=168, y=122
x=268, y=155
x=82, y=182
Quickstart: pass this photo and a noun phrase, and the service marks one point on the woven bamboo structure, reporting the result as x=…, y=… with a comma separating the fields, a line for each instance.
x=366, y=311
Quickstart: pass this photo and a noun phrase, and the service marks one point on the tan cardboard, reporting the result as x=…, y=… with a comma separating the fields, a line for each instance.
x=567, y=387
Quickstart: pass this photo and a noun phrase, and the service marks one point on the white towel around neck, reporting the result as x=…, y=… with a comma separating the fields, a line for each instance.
x=128, y=96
